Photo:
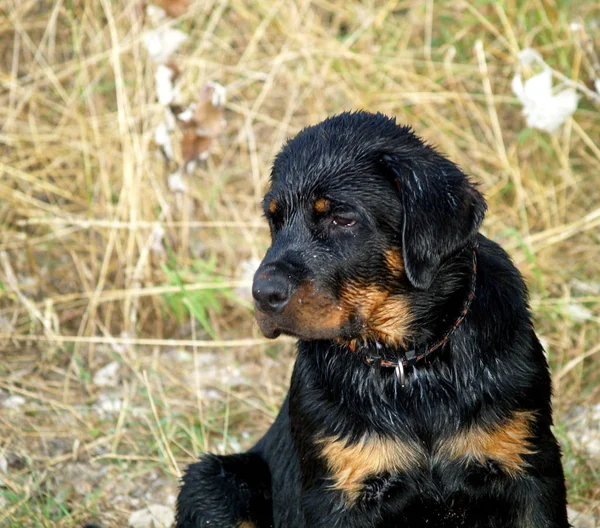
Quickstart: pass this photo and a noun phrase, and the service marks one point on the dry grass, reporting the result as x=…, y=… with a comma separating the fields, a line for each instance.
x=82, y=185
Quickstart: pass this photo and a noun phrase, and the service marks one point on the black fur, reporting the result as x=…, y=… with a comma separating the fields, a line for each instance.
x=369, y=223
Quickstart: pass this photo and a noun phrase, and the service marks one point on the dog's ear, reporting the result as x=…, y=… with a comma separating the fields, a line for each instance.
x=442, y=212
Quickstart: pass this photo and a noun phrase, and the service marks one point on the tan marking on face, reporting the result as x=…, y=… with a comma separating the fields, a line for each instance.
x=505, y=443
x=386, y=317
x=351, y=464
x=246, y=524
x=314, y=314
x=394, y=262
x=390, y=320
x=322, y=205
x=272, y=206
x=310, y=313
x=314, y=308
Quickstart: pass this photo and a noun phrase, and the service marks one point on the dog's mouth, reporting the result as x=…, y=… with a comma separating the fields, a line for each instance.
x=267, y=326
x=303, y=324
x=310, y=314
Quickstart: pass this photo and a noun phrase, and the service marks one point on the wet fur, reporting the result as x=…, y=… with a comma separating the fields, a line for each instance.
x=468, y=441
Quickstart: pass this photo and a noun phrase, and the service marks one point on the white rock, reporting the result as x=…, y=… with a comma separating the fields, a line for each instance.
x=107, y=376
x=579, y=313
x=108, y=404
x=179, y=355
x=211, y=394
x=580, y=520
x=235, y=445
x=587, y=288
x=6, y=327
x=591, y=442
x=152, y=516
x=583, y=429
x=14, y=402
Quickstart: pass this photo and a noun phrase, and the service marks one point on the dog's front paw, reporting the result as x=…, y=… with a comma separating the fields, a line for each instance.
x=225, y=492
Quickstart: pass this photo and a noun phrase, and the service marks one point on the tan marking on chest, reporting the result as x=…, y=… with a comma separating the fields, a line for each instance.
x=351, y=464
x=505, y=444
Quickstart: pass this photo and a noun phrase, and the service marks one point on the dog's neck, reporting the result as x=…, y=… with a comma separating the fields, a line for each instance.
x=408, y=357
x=430, y=338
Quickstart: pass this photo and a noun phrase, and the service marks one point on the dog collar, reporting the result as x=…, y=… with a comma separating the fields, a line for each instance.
x=411, y=357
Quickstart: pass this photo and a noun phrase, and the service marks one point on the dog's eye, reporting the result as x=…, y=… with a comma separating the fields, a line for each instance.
x=342, y=221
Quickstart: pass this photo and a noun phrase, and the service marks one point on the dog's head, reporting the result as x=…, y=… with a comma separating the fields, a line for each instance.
x=362, y=215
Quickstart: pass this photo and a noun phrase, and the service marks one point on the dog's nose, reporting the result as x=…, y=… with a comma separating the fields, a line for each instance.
x=271, y=292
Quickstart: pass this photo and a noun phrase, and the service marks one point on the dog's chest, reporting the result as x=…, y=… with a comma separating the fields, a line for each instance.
x=369, y=469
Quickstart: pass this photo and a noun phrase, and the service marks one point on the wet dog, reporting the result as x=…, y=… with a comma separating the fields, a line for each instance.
x=420, y=394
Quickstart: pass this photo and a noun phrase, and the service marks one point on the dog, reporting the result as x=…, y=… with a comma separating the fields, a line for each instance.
x=420, y=395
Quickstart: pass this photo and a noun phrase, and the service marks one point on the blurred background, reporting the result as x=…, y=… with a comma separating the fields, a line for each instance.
x=135, y=146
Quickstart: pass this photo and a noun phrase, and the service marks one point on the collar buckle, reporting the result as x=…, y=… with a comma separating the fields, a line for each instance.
x=410, y=358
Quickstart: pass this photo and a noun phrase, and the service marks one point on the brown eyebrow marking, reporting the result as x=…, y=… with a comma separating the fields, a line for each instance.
x=322, y=205
x=272, y=206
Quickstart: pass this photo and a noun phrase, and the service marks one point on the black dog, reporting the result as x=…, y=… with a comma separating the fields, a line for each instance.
x=420, y=395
